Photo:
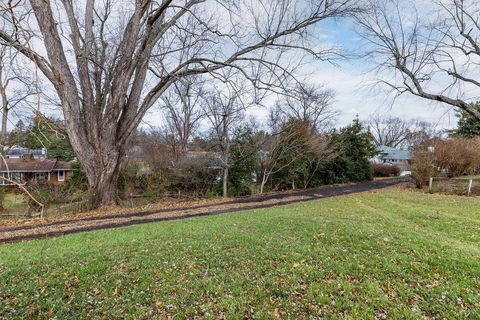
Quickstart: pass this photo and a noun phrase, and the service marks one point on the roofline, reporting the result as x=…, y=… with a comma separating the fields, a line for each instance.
x=7, y=171
x=37, y=170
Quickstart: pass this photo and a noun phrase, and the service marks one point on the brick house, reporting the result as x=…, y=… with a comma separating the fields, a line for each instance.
x=29, y=169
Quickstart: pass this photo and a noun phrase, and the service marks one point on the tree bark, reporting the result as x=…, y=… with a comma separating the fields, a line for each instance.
x=102, y=169
x=225, y=182
x=5, y=110
x=104, y=190
x=4, y=121
x=262, y=185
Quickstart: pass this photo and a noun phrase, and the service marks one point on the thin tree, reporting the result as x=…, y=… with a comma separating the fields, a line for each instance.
x=15, y=87
x=224, y=110
x=182, y=114
x=110, y=62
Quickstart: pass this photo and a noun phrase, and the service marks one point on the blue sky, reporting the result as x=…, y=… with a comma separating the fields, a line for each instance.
x=352, y=80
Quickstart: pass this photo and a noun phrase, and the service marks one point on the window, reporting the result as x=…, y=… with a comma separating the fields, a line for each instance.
x=2, y=181
x=15, y=176
x=61, y=175
x=41, y=176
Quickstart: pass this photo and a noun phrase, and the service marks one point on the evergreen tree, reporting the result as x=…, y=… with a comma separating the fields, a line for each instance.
x=354, y=147
x=468, y=126
x=50, y=134
x=18, y=135
x=243, y=159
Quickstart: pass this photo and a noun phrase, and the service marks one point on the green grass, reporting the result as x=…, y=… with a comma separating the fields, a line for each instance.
x=394, y=254
x=475, y=177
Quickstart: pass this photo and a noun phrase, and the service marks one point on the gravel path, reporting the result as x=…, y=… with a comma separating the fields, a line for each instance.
x=39, y=229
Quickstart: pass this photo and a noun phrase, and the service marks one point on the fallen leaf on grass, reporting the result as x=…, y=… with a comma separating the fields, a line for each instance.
x=116, y=292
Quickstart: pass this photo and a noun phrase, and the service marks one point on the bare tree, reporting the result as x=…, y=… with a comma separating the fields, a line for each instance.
x=389, y=131
x=15, y=87
x=421, y=132
x=431, y=54
x=156, y=152
x=272, y=152
x=308, y=103
x=182, y=114
x=224, y=110
x=399, y=133
x=110, y=62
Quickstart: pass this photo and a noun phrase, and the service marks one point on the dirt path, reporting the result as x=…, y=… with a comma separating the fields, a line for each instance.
x=39, y=229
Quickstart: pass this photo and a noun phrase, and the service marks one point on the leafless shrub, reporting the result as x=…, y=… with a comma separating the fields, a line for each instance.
x=459, y=156
x=385, y=170
x=423, y=166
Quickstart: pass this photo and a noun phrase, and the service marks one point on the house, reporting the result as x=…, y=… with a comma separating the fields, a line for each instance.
x=16, y=152
x=397, y=157
x=29, y=169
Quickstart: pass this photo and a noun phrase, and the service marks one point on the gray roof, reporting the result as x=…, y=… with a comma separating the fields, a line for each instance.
x=386, y=152
x=24, y=151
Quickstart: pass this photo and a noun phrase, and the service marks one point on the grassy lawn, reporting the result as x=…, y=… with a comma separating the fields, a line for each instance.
x=468, y=178
x=390, y=254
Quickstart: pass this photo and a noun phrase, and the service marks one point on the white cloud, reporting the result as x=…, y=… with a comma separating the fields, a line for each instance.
x=355, y=94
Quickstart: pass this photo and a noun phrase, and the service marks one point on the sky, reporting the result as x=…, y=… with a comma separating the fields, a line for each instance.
x=351, y=81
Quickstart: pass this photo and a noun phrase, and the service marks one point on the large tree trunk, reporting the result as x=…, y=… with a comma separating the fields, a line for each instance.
x=102, y=170
x=102, y=88
x=104, y=190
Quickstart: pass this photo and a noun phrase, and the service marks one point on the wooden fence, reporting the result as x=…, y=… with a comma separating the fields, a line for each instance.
x=458, y=186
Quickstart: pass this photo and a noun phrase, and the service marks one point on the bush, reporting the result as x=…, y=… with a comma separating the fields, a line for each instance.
x=457, y=157
x=78, y=180
x=48, y=193
x=423, y=167
x=2, y=198
x=385, y=170
x=196, y=178
x=354, y=148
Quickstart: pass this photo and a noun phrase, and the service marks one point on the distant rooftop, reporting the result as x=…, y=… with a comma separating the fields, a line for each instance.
x=387, y=152
x=21, y=151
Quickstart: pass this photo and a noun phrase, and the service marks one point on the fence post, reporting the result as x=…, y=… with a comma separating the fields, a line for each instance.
x=469, y=190
x=430, y=184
